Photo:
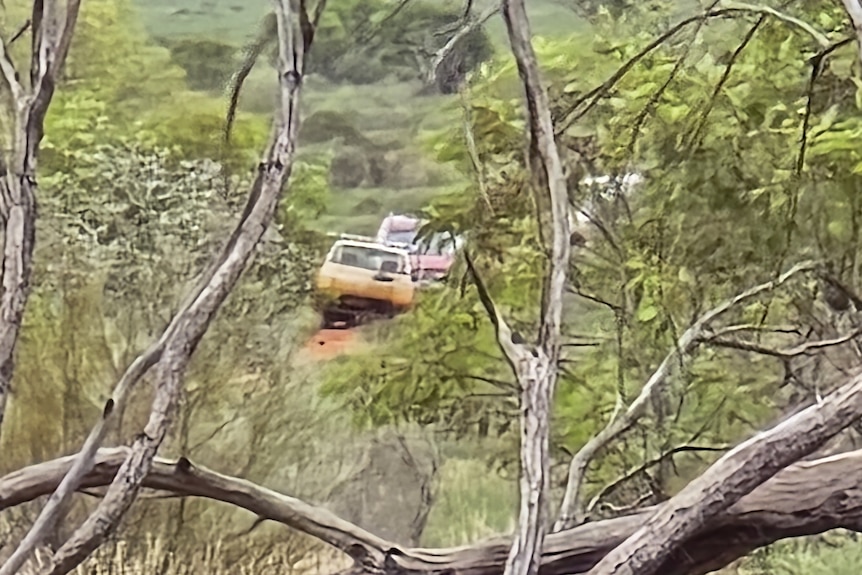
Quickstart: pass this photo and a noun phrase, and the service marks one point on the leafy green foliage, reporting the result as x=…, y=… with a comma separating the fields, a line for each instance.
x=145, y=101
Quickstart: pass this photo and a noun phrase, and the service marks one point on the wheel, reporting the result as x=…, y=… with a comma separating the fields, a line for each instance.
x=330, y=319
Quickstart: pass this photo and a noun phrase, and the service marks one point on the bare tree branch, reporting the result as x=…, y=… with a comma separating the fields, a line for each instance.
x=265, y=37
x=805, y=498
x=184, y=478
x=472, y=150
x=801, y=349
x=571, y=512
x=634, y=472
x=729, y=479
x=467, y=26
x=18, y=170
x=816, y=34
x=24, y=27
x=10, y=74
x=583, y=104
x=502, y=331
x=174, y=349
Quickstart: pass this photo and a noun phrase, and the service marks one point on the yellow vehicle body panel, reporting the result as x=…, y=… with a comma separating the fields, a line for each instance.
x=337, y=280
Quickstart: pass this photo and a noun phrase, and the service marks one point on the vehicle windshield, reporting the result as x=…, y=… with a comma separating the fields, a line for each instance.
x=369, y=259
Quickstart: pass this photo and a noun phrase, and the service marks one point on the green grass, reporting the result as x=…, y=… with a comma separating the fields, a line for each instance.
x=236, y=20
x=232, y=20
x=473, y=504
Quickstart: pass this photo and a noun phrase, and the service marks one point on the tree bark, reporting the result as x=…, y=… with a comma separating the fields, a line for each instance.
x=536, y=369
x=18, y=170
x=803, y=499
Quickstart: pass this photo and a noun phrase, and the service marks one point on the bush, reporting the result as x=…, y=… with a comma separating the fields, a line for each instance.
x=327, y=125
x=358, y=67
x=208, y=63
x=349, y=168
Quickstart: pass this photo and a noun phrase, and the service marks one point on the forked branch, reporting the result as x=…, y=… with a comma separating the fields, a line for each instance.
x=537, y=371
x=571, y=510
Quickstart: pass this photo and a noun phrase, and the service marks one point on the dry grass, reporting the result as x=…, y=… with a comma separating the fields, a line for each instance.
x=155, y=557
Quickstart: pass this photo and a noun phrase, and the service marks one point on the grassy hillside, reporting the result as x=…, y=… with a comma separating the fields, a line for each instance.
x=235, y=20
x=384, y=113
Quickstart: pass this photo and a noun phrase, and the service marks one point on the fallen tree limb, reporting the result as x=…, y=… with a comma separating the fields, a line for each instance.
x=731, y=478
x=803, y=499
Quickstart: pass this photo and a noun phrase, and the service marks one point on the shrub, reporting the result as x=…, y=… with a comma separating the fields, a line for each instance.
x=208, y=63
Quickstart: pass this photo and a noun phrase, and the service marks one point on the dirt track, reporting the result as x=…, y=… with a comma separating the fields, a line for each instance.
x=328, y=343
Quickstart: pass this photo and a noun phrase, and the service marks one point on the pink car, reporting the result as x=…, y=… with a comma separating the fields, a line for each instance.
x=431, y=257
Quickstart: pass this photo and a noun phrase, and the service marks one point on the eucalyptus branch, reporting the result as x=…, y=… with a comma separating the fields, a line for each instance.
x=595, y=299
x=725, y=76
x=369, y=34
x=787, y=353
x=656, y=96
x=473, y=152
x=18, y=169
x=24, y=27
x=10, y=74
x=571, y=511
x=502, y=331
x=730, y=479
x=537, y=369
x=583, y=104
x=755, y=328
x=818, y=36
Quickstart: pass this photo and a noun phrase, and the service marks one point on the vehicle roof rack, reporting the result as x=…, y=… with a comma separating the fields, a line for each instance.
x=369, y=239
x=358, y=237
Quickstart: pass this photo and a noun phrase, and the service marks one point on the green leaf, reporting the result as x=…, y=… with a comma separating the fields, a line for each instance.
x=647, y=311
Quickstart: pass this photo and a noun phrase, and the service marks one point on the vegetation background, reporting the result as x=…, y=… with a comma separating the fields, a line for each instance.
x=413, y=440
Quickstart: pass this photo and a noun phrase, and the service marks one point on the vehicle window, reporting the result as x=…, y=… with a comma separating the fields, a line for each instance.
x=369, y=259
x=406, y=237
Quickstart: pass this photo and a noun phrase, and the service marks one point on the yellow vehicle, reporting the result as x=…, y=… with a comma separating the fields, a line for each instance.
x=361, y=277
